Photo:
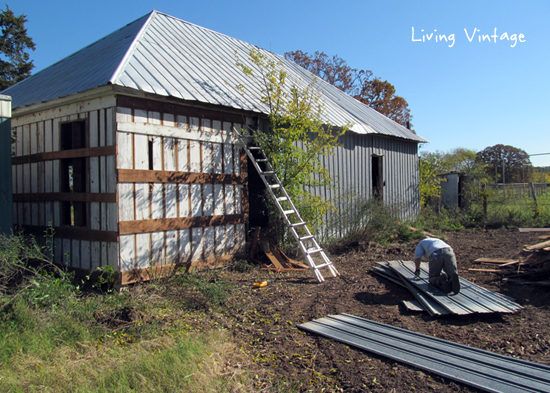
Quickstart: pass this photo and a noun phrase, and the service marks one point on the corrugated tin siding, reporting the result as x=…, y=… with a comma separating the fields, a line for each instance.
x=351, y=169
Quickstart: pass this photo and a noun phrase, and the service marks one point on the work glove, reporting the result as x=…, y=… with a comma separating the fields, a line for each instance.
x=417, y=273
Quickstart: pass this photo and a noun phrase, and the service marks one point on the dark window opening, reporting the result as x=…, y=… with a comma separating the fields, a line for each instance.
x=73, y=173
x=377, y=178
x=73, y=135
x=150, y=155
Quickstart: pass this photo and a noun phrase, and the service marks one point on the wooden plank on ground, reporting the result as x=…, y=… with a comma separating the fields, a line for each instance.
x=485, y=270
x=538, y=246
x=534, y=229
x=493, y=260
x=511, y=264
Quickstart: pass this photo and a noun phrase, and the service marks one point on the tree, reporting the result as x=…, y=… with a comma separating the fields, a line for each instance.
x=456, y=160
x=333, y=70
x=506, y=164
x=379, y=95
x=298, y=137
x=429, y=187
x=14, y=42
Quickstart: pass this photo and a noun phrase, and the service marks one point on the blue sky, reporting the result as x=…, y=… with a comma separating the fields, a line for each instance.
x=471, y=94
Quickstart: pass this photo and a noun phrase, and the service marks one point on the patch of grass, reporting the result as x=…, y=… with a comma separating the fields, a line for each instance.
x=193, y=363
x=213, y=290
x=144, y=338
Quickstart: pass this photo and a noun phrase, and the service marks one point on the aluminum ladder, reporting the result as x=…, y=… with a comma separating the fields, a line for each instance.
x=306, y=241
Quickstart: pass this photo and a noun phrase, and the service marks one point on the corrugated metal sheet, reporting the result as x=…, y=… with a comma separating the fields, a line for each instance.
x=351, y=169
x=482, y=369
x=471, y=299
x=164, y=55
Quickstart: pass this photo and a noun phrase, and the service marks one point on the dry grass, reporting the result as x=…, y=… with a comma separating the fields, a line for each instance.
x=194, y=363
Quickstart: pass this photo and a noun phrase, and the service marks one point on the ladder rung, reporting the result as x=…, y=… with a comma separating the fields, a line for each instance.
x=268, y=173
x=314, y=251
x=306, y=237
x=275, y=185
x=298, y=224
x=287, y=212
x=323, y=265
x=262, y=160
x=282, y=199
x=254, y=148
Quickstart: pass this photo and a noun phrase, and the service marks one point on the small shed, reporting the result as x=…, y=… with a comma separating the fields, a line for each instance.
x=455, y=190
x=125, y=149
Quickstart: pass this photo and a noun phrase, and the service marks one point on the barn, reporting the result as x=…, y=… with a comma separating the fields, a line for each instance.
x=125, y=149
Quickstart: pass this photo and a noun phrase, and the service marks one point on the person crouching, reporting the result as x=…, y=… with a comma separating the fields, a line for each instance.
x=443, y=272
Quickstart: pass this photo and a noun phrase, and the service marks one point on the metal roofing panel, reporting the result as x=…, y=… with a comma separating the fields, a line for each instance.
x=471, y=299
x=483, y=369
x=86, y=69
x=429, y=304
x=167, y=56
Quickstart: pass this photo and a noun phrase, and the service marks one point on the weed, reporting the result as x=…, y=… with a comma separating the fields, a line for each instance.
x=213, y=290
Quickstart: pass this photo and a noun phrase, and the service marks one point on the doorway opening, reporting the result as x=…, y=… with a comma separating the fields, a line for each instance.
x=377, y=178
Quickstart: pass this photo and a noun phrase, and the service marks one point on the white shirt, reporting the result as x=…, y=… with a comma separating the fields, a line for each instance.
x=427, y=246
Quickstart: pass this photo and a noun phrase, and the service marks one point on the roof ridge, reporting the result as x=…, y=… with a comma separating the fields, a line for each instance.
x=122, y=65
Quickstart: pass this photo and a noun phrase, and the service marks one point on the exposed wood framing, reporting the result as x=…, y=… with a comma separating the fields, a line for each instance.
x=168, y=224
x=155, y=184
x=37, y=182
x=147, y=176
x=182, y=186
x=74, y=233
x=59, y=155
x=139, y=275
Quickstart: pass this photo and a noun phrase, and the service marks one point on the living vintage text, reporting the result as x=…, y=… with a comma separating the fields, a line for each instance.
x=474, y=35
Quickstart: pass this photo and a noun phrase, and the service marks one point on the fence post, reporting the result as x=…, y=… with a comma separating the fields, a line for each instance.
x=534, y=198
x=484, y=199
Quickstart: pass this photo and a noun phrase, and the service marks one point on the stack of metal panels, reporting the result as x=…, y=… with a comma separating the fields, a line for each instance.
x=484, y=370
x=471, y=299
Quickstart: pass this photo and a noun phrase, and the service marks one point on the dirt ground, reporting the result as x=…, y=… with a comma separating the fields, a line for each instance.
x=264, y=321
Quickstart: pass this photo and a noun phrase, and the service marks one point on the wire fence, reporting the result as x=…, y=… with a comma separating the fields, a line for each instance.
x=514, y=199
x=517, y=193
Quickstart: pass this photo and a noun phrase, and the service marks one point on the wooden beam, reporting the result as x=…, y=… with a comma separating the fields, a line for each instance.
x=491, y=260
x=169, y=224
x=62, y=154
x=538, y=246
x=190, y=108
x=65, y=197
x=75, y=233
x=150, y=176
x=139, y=275
x=485, y=270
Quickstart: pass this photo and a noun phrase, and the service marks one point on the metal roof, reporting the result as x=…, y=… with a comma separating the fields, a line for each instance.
x=483, y=369
x=169, y=57
x=471, y=299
